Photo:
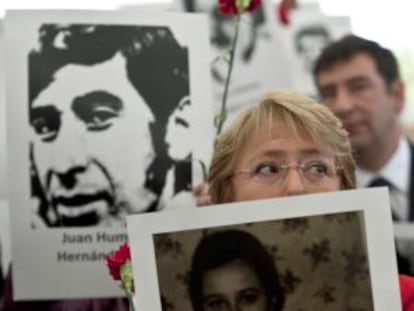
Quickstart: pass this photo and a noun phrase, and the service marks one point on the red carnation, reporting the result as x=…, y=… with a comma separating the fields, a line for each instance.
x=117, y=260
x=230, y=7
x=283, y=9
x=283, y=13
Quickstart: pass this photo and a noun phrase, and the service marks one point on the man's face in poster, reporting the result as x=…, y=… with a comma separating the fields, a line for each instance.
x=309, y=45
x=92, y=145
x=222, y=29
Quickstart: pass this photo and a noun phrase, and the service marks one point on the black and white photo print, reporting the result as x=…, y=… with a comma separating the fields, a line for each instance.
x=101, y=100
x=105, y=114
x=259, y=62
x=308, y=33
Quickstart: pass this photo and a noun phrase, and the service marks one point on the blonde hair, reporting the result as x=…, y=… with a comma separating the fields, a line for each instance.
x=301, y=115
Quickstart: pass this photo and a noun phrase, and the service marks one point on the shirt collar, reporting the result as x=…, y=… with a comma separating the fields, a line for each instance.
x=396, y=170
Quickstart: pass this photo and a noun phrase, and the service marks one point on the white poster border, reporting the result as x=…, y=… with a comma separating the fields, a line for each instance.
x=373, y=203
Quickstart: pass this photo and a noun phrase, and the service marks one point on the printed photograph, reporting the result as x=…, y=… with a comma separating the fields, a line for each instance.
x=305, y=263
x=309, y=42
x=222, y=32
x=109, y=114
x=326, y=251
x=106, y=110
x=259, y=63
x=309, y=32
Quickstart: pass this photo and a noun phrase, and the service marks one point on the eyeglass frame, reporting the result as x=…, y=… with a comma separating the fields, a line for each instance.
x=300, y=167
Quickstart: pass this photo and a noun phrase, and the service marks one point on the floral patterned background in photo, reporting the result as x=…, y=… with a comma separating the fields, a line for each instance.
x=322, y=261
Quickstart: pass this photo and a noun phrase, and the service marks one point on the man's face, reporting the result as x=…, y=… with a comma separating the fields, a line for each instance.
x=358, y=95
x=91, y=144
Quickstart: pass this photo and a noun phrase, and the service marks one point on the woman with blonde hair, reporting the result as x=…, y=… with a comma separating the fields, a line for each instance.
x=285, y=145
x=282, y=126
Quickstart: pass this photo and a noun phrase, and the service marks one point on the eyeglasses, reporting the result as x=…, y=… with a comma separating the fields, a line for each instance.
x=312, y=172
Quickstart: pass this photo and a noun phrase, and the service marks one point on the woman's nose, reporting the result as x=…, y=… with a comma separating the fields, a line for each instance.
x=294, y=182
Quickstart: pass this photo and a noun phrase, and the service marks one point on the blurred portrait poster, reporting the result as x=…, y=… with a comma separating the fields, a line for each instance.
x=331, y=251
x=259, y=62
x=106, y=111
x=309, y=31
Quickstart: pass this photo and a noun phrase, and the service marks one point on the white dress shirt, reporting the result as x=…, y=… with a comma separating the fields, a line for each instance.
x=397, y=172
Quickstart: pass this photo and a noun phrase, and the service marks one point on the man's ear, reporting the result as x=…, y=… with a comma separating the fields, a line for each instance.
x=398, y=93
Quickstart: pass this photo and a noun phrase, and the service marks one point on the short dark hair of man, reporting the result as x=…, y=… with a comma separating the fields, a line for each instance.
x=349, y=46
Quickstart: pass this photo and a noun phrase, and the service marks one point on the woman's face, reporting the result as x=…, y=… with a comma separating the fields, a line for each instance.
x=233, y=287
x=283, y=164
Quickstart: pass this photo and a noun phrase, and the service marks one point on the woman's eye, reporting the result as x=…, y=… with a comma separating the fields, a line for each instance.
x=267, y=169
x=317, y=169
x=214, y=304
x=249, y=298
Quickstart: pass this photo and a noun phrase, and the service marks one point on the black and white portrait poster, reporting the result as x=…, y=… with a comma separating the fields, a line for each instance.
x=331, y=251
x=259, y=62
x=309, y=31
x=109, y=115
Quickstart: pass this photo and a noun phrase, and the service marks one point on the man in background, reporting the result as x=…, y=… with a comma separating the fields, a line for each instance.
x=360, y=81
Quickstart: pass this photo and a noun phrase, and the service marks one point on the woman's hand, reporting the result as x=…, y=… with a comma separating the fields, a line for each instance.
x=201, y=193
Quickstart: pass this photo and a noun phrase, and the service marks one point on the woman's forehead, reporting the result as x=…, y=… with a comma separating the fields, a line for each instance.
x=280, y=130
x=283, y=138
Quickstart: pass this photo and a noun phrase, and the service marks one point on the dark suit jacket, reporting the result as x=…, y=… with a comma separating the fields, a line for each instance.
x=404, y=266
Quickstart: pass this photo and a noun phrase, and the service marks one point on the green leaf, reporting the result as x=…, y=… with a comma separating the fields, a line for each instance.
x=242, y=5
x=127, y=277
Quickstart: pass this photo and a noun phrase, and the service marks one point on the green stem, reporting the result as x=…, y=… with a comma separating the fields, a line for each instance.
x=223, y=110
x=130, y=301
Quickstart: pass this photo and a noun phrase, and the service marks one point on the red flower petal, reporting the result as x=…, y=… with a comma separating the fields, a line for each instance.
x=254, y=4
x=229, y=6
x=117, y=259
x=114, y=269
x=283, y=13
